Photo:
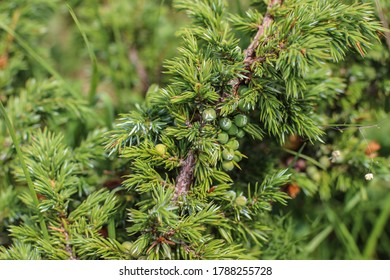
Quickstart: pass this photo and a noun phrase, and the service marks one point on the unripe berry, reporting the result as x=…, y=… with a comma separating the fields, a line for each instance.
x=244, y=106
x=313, y=173
x=241, y=200
x=227, y=165
x=227, y=154
x=240, y=120
x=209, y=114
x=161, y=149
x=240, y=134
x=127, y=245
x=225, y=124
x=231, y=194
x=233, y=144
x=237, y=157
x=324, y=160
x=233, y=130
x=223, y=138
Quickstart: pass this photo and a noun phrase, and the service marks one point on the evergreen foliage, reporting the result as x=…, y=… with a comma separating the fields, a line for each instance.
x=207, y=161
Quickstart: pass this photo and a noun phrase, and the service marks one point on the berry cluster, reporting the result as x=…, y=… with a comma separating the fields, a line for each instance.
x=231, y=129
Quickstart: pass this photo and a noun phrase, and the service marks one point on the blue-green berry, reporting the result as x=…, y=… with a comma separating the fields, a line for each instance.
x=225, y=124
x=209, y=115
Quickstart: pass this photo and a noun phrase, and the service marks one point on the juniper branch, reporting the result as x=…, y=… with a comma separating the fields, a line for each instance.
x=68, y=246
x=185, y=177
x=63, y=230
x=250, y=52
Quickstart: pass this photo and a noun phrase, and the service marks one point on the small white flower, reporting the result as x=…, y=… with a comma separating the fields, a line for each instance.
x=335, y=155
x=369, y=176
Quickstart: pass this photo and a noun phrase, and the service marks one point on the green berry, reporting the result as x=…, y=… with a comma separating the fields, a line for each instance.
x=233, y=144
x=161, y=149
x=209, y=114
x=242, y=90
x=231, y=194
x=240, y=120
x=233, y=130
x=127, y=245
x=223, y=138
x=240, y=134
x=244, y=106
x=227, y=154
x=241, y=200
x=237, y=157
x=227, y=165
x=225, y=124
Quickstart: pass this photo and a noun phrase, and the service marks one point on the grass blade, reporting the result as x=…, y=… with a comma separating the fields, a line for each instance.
x=317, y=240
x=343, y=234
x=377, y=231
x=94, y=79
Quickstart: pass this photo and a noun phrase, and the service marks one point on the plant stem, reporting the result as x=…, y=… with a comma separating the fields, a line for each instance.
x=316, y=241
x=250, y=52
x=25, y=170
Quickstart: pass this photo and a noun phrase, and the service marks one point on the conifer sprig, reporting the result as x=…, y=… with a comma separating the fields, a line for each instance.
x=25, y=170
x=185, y=177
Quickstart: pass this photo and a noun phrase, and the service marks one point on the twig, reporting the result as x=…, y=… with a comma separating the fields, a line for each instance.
x=250, y=52
x=68, y=248
x=186, y=175
x=64, y=231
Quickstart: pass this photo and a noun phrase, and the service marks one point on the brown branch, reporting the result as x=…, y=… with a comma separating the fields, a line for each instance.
x=250, y=52
x=186, y=176
x=68, y=247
